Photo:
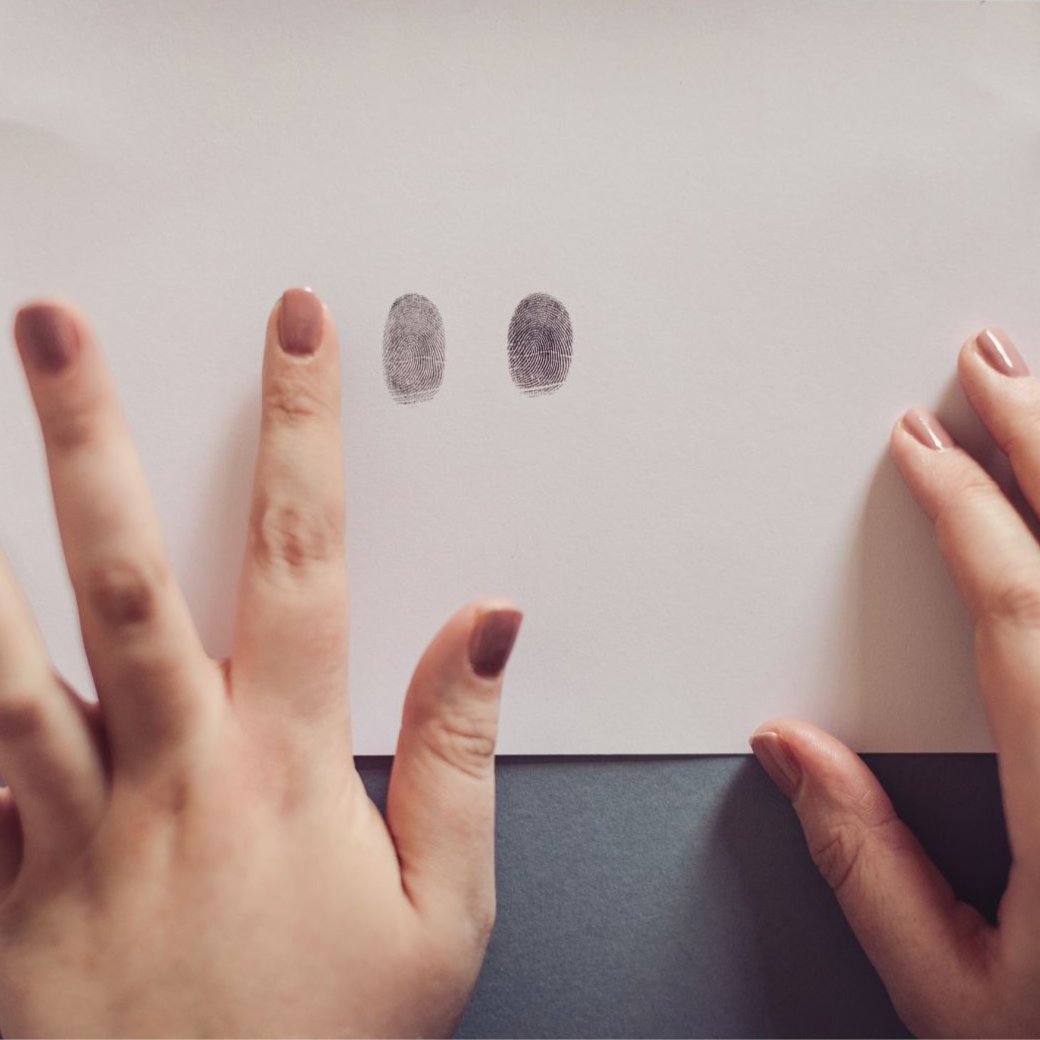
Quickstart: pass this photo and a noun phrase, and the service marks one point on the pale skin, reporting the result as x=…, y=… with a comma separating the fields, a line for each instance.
x=195, y=853
x=947, y=970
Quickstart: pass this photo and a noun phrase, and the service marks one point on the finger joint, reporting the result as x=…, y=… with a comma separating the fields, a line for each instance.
x=1014, y=601
x=124, y=592
x=839, y=854
x=293, y=402
x=291, y=537
x=67, y=431
x=466, y=745
x=22, y=714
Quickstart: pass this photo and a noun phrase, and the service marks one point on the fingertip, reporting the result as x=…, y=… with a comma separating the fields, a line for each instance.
x=49, y=334
x=461, y=623
x=293, y=291
x=774, y=725
x=797, y=730
x=971, y=366
x=492, y=638
x=968, y=350
x=823, y=761
x=813, y=746
x=329, y=330
x=485, y=603
x=903, y=443
x=776, y=759
x=899, y=430
x=988, y=344
x=32, y=313
x=301, y=322
x=902, y=450
x=37, y=302
x=471, y=649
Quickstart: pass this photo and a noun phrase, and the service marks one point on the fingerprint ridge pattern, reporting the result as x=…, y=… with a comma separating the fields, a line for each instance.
x=540, y=344
x=413, y=349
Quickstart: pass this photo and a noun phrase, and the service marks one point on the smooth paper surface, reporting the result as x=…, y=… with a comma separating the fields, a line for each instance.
x=771, y=226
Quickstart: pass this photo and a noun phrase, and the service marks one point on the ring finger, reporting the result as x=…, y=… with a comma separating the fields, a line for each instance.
x=48, y=756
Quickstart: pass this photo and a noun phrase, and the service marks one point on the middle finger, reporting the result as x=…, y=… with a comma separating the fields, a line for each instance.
x=291, y=630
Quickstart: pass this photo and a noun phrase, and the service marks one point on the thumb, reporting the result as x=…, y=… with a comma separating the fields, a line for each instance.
x=441, y=800
x=930, y=950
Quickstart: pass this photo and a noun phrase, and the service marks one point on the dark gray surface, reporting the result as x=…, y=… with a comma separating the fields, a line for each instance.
x=660, y=897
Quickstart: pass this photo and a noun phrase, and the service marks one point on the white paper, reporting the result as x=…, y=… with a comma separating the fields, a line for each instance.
x=772, y=226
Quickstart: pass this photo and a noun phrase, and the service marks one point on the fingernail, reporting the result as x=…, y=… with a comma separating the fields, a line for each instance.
x=300, y=321
x=927, y=429
x=48, y=336
x=777, y=760
x=996, y=347
x=492, y=641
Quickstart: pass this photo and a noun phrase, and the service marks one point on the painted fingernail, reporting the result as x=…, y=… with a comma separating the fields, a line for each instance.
x=300, y=322
x=492, y=641
x=776, y=759
x=927, y=429
x=48, y=336
x=996, y=347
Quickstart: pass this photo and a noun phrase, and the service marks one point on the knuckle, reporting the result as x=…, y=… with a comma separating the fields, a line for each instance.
x=841, y=852
x=976, y=490
x=295, y=537
x=293, y=400
x=465, y=744
x=169, y=796
x=975, y=493
x=22, y=714
x=124, y=591
x=1021, y=436
x=1015, y=601
x=67, y=431
x=837, y=853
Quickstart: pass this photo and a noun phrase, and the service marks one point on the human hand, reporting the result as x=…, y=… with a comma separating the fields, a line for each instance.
x=195, y=854
x=947, y=970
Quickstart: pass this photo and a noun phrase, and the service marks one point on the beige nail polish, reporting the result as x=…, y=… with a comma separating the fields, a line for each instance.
x=924, y=427
x=778, y=761
x=996, y=348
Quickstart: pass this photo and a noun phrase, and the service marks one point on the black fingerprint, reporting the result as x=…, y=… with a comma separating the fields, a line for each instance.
x=541, y=343
x=413, y=349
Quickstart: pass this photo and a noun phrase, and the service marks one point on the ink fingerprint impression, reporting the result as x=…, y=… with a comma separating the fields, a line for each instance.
x=413, y=349
x=541, y=343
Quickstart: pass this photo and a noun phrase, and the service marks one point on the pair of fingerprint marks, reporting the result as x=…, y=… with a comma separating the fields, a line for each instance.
x=540, y=343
